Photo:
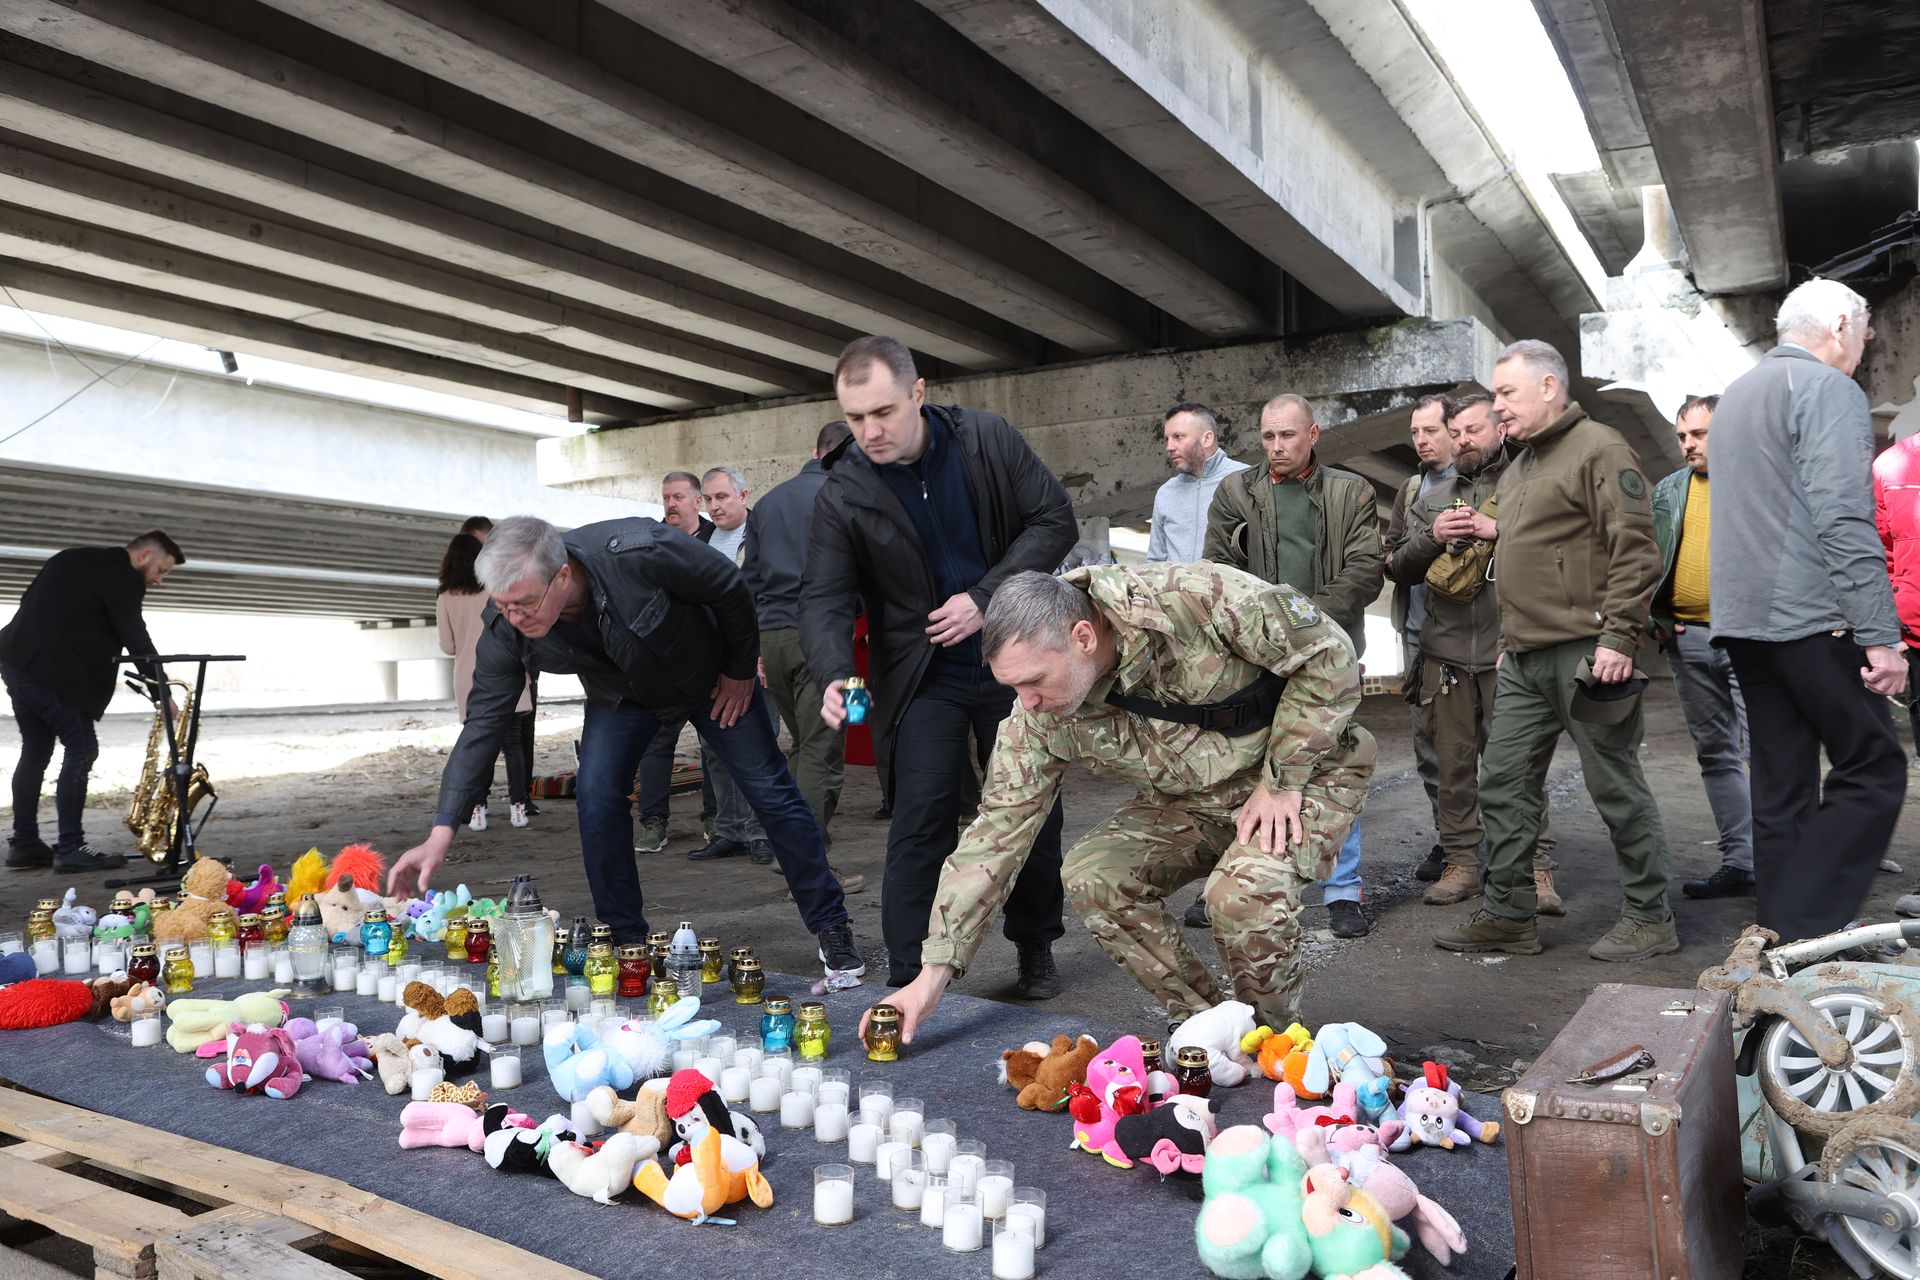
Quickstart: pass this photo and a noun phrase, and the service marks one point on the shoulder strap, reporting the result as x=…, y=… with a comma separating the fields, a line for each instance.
x=1245, y=711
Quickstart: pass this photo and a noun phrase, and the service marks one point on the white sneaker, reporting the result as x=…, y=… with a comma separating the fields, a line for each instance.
x=517, y=815
x=478, y=822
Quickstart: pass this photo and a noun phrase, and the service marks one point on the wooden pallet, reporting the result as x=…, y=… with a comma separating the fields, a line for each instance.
x=261, y=1215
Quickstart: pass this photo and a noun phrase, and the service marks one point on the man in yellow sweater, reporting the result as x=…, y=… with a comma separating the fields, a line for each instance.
x=1702, y=674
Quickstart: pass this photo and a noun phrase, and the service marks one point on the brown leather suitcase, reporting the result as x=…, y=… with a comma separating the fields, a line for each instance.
x=1623, y=1151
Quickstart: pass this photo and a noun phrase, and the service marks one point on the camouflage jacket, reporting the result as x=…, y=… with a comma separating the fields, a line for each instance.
x=1190, y=633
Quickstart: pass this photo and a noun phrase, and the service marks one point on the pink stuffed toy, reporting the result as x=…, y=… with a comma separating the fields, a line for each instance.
x=250, y=898
x=260, y=1059
x=338, y=1053
x=1367, y=1167
x=1434, y=1117
x=1288, y=1117
x=449, y=1124
x=1116, y=1086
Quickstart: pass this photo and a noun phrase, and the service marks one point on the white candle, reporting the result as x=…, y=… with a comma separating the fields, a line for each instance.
x=708, y=1066
x=343, y=976
x=833, y=1091
x=326, y=1024
x=493, y=1028
x=996, y=1190
x=1012, y=1256
x=366, y=983
x=578, y=998
x=424, y=1079
x=830, y=1121
x=504, y=1070
x=833, y=1203
x=883, y=1156
x=108, y=957
x=805, y=1080
x=526, y=1029
x=736, y=1083
x=796, y=1110
x=876, y=1109
x=780, y=1069
x=933, y=1204
x=201, y=954
x=146, y=1032
x=550, y=1018
x=256, y=964
x=408, y=972
x=749, y=1057
x=909, y=1188
x=939, y=1151
x=78, y=957
x=1027, y=1211
x=722, y=1047
x=684, y=1057
x=9, y=944
x=963, y=1172
x=764, y=1094
x=388, y=989
x=282, y=967
x=907, y=1126
x=862, y=1141
x=961, y=1231
x=46, y=956
x=226, y=962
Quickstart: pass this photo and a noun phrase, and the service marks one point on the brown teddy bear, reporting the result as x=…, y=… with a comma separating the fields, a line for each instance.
x=644, y=1117
x=1041, y=1073
x=206, y=893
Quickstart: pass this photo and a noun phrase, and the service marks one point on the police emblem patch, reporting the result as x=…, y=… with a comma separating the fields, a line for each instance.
x=1632, y=483
x=1299, y=610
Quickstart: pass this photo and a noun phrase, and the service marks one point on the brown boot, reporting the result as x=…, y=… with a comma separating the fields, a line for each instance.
x=1456, y=884
x=1546, y=899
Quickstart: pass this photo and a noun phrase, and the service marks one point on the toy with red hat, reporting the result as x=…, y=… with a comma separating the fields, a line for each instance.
x=694, y=1106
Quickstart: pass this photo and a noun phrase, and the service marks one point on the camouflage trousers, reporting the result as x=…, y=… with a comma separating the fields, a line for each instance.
x=1120, y=874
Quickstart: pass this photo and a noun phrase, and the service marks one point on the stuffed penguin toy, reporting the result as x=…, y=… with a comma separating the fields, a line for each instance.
x=1172, y=1139
x=694, y=1106
x=512, y=1143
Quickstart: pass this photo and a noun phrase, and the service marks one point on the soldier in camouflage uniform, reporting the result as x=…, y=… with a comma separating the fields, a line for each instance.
x=1260, y=814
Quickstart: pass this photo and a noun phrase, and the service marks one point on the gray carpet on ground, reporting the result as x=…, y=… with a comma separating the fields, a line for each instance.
x=1101, y=1221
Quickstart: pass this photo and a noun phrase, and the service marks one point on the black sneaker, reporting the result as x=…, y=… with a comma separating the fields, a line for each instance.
x=883, y=813
x=720, y=848
x=25, y=854
x=1727, y=882
x=838, y=953
x=1431, y=867
x=760, y=853
x=1039, y=976
x=86, y=858
x=1346, y=919
x=1196, y=917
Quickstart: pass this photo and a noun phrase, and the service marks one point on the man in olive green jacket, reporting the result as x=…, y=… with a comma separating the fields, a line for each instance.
x=1577, y=566
x=1317, y=530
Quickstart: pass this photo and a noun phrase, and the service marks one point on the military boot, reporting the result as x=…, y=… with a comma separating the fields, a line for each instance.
x=1488, y=932
x=1456, y=884
x=1546, y=899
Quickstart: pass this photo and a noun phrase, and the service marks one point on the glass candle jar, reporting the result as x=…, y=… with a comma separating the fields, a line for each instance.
x=39, y=926
x=776, y=1025
x=713, y=961
x=661, y=995
x=176, y=971
x=811, y=1034
x=658, y=943
x=376, y=935
x=221, y=929
x=602, y=971
x=1150, y=1053
x=634, y=972
x=251, y=933
x=833, y=1195
x=1190, y=1071
x=479, y=942
x=274, y=924
x=145, y=964
x=749, y=981
x=883, y=1034
x=456, y=940
x=493, y=971
x=734, y=957
x=397, y=948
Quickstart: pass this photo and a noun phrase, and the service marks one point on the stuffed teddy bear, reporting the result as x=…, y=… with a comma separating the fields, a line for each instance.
x=1173, y=1137
x=393, y=1060
x=451, y=1025
x=721, y=1171
x=604, y=1174
x=1265, y=1219
x=1434, y=1117
x=338, y=1053
x=206, y=892
x=343, y=908
x=1040, y=1075
x=644, y=1117
x=1347, y=1051
x=694, y=1106
x=1221, y=1031
x=1116, y=1086
x=1355, y=1151
x=259, y=1059
x=200, y=1023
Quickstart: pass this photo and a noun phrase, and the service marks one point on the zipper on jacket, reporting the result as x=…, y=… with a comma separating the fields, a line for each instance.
x=1560, y=565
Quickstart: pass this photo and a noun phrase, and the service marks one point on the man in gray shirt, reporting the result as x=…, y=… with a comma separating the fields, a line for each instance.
x=1803, y=605
x=1180, y=507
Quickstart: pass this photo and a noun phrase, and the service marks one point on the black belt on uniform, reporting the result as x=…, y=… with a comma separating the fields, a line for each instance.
x=1247, y=711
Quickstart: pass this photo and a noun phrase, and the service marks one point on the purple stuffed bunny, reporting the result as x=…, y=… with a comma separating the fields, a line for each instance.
x=338, y=1053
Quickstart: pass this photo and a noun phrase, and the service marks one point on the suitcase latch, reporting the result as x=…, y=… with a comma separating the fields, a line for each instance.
x=1630, y=1059
x=1679, y=1009
x=1520, y=1104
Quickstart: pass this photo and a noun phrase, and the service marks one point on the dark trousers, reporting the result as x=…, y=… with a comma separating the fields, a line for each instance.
x=611, y=745
x=654, y=784
x=931, y=776
x=1815, y=848
x=518, y=754
x=43, y=720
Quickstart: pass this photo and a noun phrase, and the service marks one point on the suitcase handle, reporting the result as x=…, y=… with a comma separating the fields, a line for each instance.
x=1630, y=1059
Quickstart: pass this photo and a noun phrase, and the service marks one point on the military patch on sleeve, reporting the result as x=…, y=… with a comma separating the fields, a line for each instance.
x=1299, y=610
x=1632, y=483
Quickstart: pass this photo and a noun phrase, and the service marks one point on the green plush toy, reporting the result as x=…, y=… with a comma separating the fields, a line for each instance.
x=1265, y=1218
x=199, y=1022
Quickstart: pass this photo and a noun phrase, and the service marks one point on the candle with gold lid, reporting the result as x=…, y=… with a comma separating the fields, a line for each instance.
x=883, y=1034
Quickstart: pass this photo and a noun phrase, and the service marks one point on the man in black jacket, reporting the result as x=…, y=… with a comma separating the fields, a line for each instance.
x=924, y=513
x=58, y=657
x=657, y=627
x=680, y=501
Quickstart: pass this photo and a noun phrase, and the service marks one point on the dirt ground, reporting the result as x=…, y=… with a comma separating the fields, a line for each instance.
x=290, y=780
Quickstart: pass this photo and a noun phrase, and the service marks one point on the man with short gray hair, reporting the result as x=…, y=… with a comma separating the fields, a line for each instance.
x=1180, y=506
x=656, y=626
x=725, y=491
x=734, y=829
x=1802, y=603
x=1227, y=704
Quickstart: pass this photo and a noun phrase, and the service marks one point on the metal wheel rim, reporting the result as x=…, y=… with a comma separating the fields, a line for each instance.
x=1879, y=1041
x=1887, y=1165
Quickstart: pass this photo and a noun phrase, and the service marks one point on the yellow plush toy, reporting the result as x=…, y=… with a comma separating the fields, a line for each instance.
x=307, y=876
x=198, y=1022
x=723, y=1170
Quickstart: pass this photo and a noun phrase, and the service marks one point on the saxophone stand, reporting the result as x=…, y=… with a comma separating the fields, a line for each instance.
x=181, y=852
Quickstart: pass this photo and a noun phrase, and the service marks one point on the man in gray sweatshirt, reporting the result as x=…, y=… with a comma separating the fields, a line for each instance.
x=1180, y=507
x=1803, y=605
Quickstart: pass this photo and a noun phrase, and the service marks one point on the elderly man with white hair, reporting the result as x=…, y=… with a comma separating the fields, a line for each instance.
x=1803, y=605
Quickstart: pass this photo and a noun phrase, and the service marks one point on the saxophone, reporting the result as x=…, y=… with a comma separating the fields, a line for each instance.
x=152, y=813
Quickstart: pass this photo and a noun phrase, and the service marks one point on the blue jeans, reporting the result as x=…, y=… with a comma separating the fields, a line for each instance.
x=1344, y=884
x=611, y=745
x=43, y=718
x=1717, y=722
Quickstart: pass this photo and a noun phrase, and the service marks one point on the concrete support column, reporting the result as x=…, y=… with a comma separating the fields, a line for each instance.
x=389, y=681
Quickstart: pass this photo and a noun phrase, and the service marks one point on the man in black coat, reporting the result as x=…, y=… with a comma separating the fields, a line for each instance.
x=58, y=658
x=925, y=511
x=658, y=627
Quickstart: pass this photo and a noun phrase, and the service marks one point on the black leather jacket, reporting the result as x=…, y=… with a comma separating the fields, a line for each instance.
x=670, y=616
